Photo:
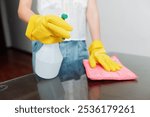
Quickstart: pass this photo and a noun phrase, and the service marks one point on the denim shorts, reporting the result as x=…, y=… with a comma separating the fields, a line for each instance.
x=73, y=53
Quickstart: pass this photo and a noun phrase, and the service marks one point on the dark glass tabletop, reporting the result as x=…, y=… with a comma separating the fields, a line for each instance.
x=25, y=87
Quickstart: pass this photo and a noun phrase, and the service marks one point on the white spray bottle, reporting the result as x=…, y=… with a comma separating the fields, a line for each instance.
x=48, y=59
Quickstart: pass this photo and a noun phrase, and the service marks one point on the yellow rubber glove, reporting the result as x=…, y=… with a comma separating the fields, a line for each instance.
x=48, y=29
x=98, y=55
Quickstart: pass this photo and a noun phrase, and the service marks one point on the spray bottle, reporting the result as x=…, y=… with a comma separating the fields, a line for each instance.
x=48, y=59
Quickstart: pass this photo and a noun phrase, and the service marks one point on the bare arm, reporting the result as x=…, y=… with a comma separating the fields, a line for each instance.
x=24, y=10
x=93, y=19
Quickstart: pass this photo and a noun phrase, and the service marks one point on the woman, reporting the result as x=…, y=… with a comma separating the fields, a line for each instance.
x=73, y=48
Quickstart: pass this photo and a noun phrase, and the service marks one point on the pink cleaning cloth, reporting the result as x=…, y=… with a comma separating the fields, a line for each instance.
x=98, y=73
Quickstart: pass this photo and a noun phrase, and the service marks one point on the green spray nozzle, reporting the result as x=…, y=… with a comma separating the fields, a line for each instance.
x=64, y=16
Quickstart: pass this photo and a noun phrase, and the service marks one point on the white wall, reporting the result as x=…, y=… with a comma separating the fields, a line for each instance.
x=125, y=26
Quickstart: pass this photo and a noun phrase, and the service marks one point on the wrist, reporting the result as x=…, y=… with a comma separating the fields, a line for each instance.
x=96, y=45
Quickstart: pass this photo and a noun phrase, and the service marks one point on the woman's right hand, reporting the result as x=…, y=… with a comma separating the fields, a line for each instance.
x=48, y=29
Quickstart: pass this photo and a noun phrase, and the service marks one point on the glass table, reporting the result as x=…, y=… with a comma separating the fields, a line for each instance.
x=25, y=87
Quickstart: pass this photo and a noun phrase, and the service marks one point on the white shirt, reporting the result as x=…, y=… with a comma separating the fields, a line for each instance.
x=75, y=9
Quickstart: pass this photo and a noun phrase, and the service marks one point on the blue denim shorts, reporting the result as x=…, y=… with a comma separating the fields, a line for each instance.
x=73, y=54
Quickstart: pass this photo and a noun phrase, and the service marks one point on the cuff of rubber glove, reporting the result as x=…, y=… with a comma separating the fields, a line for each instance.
x=96, y=44
x=30, y=27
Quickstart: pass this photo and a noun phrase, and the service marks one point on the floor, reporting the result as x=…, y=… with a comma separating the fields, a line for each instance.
x=14, y=63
